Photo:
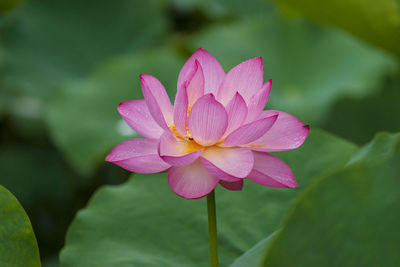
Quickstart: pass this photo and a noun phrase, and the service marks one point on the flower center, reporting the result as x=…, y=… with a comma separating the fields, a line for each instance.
x=191, y=144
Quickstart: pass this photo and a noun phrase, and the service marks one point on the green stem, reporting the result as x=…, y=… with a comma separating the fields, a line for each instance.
x=212, y=229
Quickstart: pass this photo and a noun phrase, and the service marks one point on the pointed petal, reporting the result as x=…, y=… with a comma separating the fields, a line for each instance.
x=186, y=96
x=246, y=78
x=195, y=85
x=229, y=164
x=234, y=186
x=138, y=117
x=214, y=74
x=207, y=120
x=180, y=111
x=250, y=132
x=258, y=102
x=178, y=152
x=237, y=112
x=287, y=133
x=191, y=181
x=271, y=171
x=157, y=100
x=138, y=155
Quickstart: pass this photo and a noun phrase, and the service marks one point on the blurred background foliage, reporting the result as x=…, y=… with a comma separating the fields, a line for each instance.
x=65, y=65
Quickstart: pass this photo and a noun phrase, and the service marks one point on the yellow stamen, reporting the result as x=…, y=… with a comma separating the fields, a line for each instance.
x=256, y=146
x=193, y=146
x=176, y=133
x=188, y=135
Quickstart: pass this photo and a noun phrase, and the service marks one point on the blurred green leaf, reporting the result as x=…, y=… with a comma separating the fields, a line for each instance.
x=378, y=24
x=38, y=178
x=223, y=8
x=348, y=218
x=45, y=42
x=359, y=119
x=310, y=66
x=83, y=117
x=253, y=256
x=42, y=177
x=18, y=245
x=144, y=223
x=6, y=5
x=381, y=148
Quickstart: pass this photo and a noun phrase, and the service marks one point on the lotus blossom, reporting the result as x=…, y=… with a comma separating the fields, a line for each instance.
x=217, y=131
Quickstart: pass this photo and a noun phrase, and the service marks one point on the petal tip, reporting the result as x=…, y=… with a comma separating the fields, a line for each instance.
x=108, y=157
x=306, y=128
x=144, y=77
x=201, y=50
x=120, y=106
x=209, y=95
x=273, y=117
x=257, y=60
x=124, y=105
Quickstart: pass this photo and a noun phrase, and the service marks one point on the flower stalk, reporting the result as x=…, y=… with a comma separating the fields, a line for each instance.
x=212, y=229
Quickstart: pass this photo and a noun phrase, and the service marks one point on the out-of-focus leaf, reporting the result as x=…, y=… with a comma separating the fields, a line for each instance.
x=46, y=42
x=381, y=148
x=378, y=24
x=310, y=66
x=37, y=176
x=224, y=8
x=348, y=218
x=33, y=173
x=3, y=103
x=144, y=223
x=359, y=119
x=253, y=256
x=6, y=5
x=18, y=245
x=83, y=117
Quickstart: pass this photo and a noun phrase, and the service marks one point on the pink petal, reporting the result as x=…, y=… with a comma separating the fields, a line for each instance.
x=287, y=133
x=234, y=186
x=186, y=96
x=214, y=74
x=246, y=78
x=250, y=132
x=207, y=120
x=271, y=171
x=237, y=112
x=195, y=85
x=229, y=164
x=157, y=100
x=258, y=102
x=138, y=155
x=180, y=111
x=191, y=181
x=138, y=117
x=178, y=152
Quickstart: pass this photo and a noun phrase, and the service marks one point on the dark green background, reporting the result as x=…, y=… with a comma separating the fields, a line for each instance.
x=65, y=65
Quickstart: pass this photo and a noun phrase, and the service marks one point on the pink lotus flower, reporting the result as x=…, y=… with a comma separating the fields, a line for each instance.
x=216, y=132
